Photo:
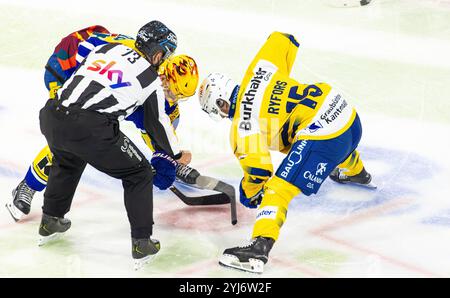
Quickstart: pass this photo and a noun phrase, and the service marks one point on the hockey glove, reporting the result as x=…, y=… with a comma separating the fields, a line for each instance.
x=164, y=166
x=252, y=202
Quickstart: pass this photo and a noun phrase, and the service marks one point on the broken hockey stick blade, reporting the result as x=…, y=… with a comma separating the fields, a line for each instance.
x=226, y=194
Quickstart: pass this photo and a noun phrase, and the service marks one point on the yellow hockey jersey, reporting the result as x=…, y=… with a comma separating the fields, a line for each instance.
x=272, y=111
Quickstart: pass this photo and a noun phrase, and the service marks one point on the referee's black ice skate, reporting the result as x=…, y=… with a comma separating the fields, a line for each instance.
x=250, y=258
x=52, y=228
x=20, y=203
x=362, y=179
x=143, y=250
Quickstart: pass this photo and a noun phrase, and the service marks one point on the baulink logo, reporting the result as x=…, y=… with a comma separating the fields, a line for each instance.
x=294, y=158
x=267, y=212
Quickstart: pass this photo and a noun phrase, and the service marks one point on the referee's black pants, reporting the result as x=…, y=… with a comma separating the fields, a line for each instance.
x=77, y=137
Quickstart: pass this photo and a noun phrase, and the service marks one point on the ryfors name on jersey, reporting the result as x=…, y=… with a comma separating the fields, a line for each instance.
x=278, y=89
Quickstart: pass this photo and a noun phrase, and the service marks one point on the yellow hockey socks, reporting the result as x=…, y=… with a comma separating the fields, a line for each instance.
x=272, y=212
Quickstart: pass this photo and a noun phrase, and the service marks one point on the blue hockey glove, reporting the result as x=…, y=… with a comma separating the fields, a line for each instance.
x=164, y=166
x=252, y=202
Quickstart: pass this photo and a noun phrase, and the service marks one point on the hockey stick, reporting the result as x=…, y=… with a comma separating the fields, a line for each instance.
x=347, y=3
x=212, y=199
x=226, y=194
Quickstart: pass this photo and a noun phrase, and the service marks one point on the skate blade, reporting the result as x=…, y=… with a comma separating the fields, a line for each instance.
x=252, y=266
x=139, y=263
x=14, y=211
x=371, y=185
x=46, y=239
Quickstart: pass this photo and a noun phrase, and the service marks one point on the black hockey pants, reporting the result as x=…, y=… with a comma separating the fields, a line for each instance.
x=77, y=137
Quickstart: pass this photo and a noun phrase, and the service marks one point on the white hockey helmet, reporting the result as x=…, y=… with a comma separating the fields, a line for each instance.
x=216, y=86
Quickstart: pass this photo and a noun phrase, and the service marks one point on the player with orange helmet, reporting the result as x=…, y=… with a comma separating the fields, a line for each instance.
x=180, y=77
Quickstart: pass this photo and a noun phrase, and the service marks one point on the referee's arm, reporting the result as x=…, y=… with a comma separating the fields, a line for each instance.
x=157, y=124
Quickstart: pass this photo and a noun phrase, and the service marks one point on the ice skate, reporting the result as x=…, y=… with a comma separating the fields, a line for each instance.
x=143, y=251
x=250, y=258
x=52, y=228
x=20, y=202
x=186, y=174
x=361, y=179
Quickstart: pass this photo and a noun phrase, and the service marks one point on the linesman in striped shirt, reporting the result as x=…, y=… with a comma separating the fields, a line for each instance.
x=179, y=75
x=82, y=126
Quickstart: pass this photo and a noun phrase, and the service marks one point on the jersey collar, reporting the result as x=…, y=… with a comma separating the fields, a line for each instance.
x=233, y=100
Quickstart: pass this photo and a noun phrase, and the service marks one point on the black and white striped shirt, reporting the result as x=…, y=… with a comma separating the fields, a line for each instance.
x=115, y=80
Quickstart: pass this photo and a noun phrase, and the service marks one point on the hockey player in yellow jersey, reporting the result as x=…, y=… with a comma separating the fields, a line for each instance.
x=314, y=125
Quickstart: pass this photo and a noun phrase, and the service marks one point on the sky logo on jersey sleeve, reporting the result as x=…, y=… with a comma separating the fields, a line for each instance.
x=113, y=75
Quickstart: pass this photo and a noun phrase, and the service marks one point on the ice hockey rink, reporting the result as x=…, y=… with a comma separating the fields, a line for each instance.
x=391, y=58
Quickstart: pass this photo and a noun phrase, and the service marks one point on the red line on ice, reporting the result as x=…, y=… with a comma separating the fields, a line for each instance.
x=288, y=264
x=91, y=197
x=388, y=259
x=324, y=229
